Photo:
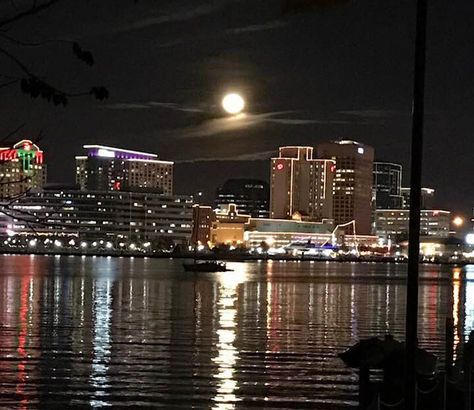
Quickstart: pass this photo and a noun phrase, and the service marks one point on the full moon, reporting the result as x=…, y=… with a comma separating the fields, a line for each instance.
x=233, y=103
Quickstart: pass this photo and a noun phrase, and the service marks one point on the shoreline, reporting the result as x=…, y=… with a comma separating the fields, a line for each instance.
x=223, y=257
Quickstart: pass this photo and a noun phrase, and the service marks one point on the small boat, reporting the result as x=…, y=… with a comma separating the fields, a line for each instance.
x=205, y=266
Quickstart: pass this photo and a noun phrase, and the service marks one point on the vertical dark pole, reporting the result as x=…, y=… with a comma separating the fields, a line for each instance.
x=415, y=204
x=449, y=346
x=364, y=386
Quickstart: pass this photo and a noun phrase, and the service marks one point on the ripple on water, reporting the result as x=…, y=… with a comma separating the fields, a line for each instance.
x=99, y=332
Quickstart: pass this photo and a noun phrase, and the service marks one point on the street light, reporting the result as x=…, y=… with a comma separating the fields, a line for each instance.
x=458, y=221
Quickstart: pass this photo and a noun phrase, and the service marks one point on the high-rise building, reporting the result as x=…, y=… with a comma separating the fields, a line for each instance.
x=352, y=183
x=22, y=168
x=301, y=184
x=251, y=196
x=387, y=185
x=427, y=198
x=116, y=169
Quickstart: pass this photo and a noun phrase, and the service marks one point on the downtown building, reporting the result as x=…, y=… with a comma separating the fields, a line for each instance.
x=251, y=196
x=353, y=182
x=22, y=168
x=427, y=198
x=114, y=216
x=387, y=186
x=393, y=224
x=301, y=184
x=105, y=168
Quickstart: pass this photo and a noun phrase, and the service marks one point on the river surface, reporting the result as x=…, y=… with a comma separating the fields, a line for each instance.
x=92, y=332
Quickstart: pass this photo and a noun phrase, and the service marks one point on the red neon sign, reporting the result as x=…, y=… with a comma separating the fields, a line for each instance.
x=280, y=166
x=25, y=151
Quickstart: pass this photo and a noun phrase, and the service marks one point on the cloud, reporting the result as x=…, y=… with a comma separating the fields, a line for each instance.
x=222, y=125
x=255, y=156
x=152, y=104
x=372, y=113
x=269, y=25
x=301, y=121
x=252, y=28
x=182, y=15
x=126, y=106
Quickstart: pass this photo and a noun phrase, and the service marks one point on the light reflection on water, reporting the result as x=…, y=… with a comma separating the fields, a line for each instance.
x=95, y=332
x=101, y=343
x=227, y=353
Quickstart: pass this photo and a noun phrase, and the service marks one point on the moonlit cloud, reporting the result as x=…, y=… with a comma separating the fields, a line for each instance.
x=153, y=104
x=243, y=121
x=302, y=121
x=223, y=125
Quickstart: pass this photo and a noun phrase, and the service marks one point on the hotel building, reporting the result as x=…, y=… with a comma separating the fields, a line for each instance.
x=115, y=169
x=353, y=182
x=22, y=168
x=301, y=184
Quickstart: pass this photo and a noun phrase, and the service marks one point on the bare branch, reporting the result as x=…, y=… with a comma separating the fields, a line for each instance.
x=34, y=44
x=35, y=9
x=11, y=82
x=23, y=67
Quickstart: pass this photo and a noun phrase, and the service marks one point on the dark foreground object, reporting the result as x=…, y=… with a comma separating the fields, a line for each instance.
x=452, y=389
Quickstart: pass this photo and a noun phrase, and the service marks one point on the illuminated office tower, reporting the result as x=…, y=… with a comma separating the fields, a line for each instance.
x=353, y=182
x=116, y=169
x=249, y=195
x=301, y=184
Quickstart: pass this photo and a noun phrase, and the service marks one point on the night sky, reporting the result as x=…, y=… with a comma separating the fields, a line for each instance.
x=307, y=78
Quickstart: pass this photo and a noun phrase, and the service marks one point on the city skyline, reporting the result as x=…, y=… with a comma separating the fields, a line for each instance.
x=165, y=93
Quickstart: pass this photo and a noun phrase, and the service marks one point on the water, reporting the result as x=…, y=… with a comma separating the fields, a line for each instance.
x=95, y=332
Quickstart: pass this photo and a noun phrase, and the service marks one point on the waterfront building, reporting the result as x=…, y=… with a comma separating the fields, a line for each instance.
x=115, y=169
x=393, y=224
x=115, y=216
x=387, y=186
x=22, y=168
x=427, y=198
x=251, y=196
x=278, y=233
x=301, y=183
x=352, y=183
x=229, y=226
